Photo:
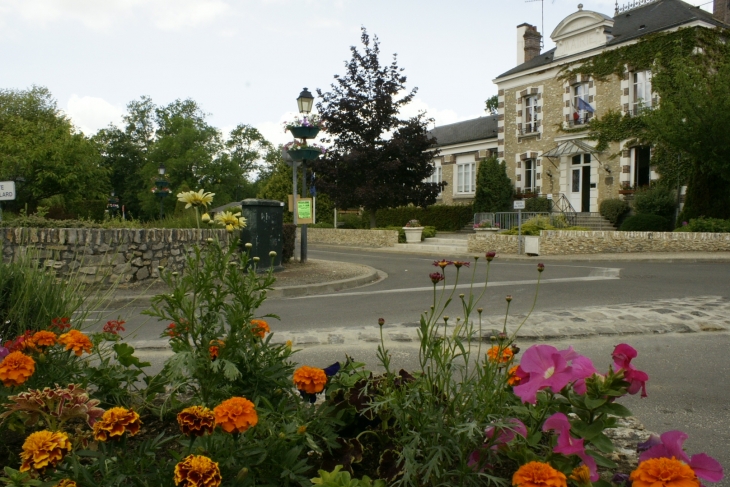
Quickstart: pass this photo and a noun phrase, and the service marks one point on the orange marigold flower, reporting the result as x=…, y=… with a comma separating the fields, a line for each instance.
x=76, y=341
x=538, y=474
x=582, y=475
x=44, y=339
x=664, y=472
x=260, y=328
x=213, y=352
x=16, y=368
x=66, y=483
x=236, y=414
x=115, y=422
x=512, y=378
x=197, y=471
x=493, y=354
x=44, y=449
x=196, y=421
x=310, y=379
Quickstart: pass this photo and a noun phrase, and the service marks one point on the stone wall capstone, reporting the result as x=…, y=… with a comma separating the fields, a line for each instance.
x=106, y=255
x=355, y=237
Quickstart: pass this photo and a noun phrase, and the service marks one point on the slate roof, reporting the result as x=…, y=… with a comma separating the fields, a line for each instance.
x=655, y=16
x=466, y=131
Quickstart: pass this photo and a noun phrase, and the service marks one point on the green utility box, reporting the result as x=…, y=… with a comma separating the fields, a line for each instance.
x=264, y=229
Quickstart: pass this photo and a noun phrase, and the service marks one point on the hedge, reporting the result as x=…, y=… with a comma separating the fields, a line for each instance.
x=613, y=210
x=645, y=223
x=444, y=218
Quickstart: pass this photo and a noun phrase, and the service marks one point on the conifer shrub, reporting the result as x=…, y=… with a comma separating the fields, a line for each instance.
x=494, y=188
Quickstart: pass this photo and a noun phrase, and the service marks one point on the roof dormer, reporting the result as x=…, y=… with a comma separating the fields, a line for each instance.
x=581, y=31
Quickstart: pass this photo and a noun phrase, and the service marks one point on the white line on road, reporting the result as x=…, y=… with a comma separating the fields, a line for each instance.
x=596, y=274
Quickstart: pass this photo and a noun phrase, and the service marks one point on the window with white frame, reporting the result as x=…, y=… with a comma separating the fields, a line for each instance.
x=641, y=96
x=582, y=109
x=529, y=176
x=436, y=176
x=529, y=120
x=465, y=174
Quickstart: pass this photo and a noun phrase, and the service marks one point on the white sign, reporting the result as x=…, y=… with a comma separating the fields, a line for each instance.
x=7, y=190
x=519, y=205
x=549, y=196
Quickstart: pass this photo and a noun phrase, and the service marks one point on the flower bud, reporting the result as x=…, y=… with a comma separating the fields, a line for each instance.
x=302, y=429
x=229, y=228
x=282, y=435
x=248, y=245
x=515, y=349
x=479, y=310
x=289, y=344
x=490, y=255
x=175, y=274
x=508, y=298
x=540, y=267
x=461, y=296
x=502, y=336
x=256, y=259
x=493, y=338
x=381, y=321
x=209, y=240
x=160, y=268
x=205, y=218
x=272, y=254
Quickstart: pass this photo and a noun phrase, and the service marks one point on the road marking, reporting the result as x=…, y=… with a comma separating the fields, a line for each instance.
x=596, y=274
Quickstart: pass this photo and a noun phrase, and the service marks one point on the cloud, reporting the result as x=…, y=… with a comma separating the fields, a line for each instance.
x=90, y=114
x=103, y=14
x=274, y=131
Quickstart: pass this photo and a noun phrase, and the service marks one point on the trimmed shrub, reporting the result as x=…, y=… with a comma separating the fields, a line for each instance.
x=614, y=210
x=494, y=188
x=289, y=236
x=711, y=225
x=445, y=218
x=645, y=223
x=656, y=200
x=538, y=205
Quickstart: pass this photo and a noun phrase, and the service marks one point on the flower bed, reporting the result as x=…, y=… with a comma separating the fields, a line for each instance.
x=229, y=407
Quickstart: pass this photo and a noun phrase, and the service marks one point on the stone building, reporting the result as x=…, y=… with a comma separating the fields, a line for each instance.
x=541, y=115
x=462, y=146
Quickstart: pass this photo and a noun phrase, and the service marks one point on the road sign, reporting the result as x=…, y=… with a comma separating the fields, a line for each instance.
x=7, y=190
x=519, y=204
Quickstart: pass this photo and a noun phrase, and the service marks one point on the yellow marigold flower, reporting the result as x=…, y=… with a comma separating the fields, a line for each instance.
x=260, y=328
x=310, y=379
x=664, y=472
x=195, y=198
x=582, y=475
x=197, y=471
x=236, y=414
x=289, y=344
x=44, y=449
x=76, y=341
x=230, y=220
x=302, y=429
x=493, y=354
x=16, y=368
x=513, y=379
x=115, y=422
x=44, y=338
x=538, y=474
x=196, y=421
x=66, y=483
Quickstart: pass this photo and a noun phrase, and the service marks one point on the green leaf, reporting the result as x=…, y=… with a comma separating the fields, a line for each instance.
x=616, y=409
x=534, y=438
x=594, y=403
x=601, y=461
x=602, y=442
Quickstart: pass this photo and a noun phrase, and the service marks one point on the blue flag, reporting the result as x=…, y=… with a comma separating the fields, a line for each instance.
x=584, y=105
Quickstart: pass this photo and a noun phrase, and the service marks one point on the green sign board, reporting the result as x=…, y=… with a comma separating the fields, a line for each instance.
x=304, y=209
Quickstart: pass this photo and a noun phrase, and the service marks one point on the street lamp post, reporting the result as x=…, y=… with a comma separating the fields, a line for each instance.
x=113, y=205
x=163, y=189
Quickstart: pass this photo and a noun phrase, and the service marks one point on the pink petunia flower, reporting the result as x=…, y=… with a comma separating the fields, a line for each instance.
x=567, y=445
x=622, y=356
x=544, y=366
x=669, y=445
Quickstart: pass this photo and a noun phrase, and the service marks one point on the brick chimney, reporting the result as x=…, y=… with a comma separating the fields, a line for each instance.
x=532, y=41
x=721, y=10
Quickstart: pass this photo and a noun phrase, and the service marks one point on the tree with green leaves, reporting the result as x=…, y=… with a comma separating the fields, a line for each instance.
x=377, y=159
x=494, y=188
x=44, y=154
x=492, y=105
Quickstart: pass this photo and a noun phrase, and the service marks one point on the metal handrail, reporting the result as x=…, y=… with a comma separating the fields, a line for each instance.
x=562, y=204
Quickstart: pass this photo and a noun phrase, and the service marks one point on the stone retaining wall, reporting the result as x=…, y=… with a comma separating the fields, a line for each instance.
x=555, y=242
x=103, y=256
x=359, y=238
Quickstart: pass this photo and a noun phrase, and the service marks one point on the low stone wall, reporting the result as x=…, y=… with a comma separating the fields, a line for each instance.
x=359, y=238
x=556, y=242
x=502, y=244
x=102, y=256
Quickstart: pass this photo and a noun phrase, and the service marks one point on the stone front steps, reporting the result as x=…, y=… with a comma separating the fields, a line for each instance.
x=594, y=222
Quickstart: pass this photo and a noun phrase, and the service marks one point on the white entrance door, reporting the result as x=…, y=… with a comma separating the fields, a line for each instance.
x=579, y=182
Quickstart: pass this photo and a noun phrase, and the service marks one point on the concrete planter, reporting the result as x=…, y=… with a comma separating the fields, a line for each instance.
x=413, y=234
x=486, y=231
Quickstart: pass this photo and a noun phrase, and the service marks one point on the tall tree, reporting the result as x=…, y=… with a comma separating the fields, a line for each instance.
x=377, y=159
x=42, y=151
x=494, y=188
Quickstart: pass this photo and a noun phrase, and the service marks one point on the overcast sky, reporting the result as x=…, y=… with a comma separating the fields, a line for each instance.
x=245, y=61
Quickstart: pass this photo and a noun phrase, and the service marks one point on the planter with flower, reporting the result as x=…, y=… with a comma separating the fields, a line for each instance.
x=414, y=231
x=486, y=228
x=305, y=127
x=300, y=151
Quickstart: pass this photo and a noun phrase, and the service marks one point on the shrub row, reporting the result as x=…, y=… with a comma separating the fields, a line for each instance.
x=711, y=225
x=614, y=210
x=444, y=218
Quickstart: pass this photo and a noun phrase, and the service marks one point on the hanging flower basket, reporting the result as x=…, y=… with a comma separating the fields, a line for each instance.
x=304, y=132
x=304, y=154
